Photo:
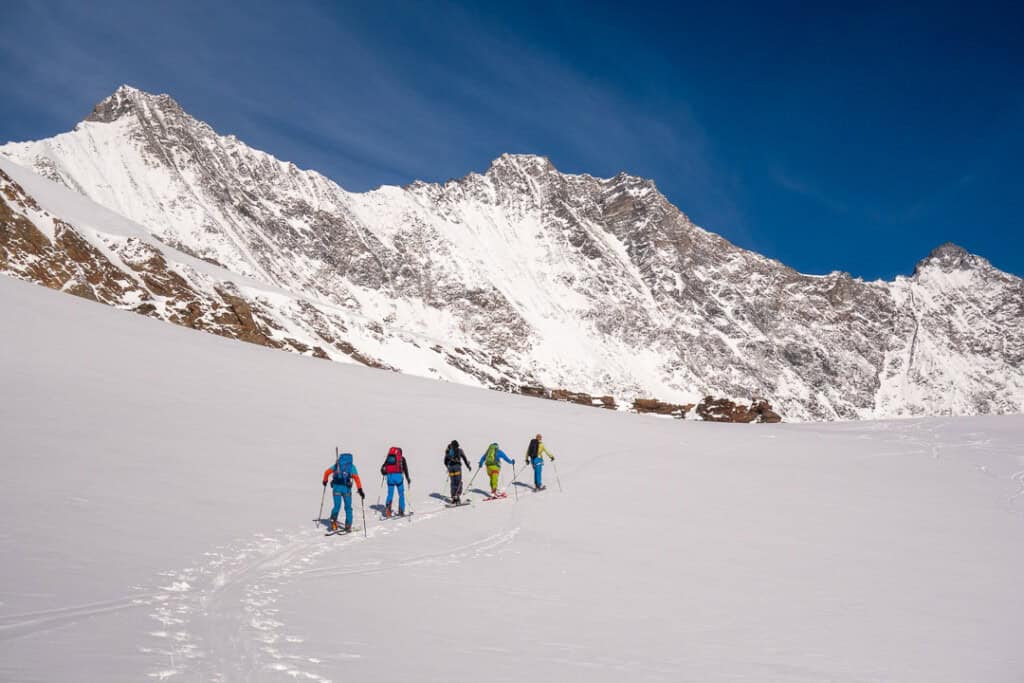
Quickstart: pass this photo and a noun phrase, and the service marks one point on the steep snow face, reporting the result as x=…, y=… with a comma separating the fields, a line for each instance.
x=960, y=325
x=543, y=278
x=157, y=499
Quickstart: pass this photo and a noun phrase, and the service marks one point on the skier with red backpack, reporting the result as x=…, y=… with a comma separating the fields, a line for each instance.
x=343, y=473
x=393, y=469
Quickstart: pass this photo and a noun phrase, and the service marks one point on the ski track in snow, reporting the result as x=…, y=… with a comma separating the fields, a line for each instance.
x=20, y=625
x=218, y=620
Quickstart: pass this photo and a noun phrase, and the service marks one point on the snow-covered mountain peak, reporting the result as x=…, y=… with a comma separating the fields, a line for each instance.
x=530, y=163
x=949, y=257
x=127, y=101
x=530, y=279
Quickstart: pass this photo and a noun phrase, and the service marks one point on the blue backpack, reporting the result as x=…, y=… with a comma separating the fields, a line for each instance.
x=343, y=471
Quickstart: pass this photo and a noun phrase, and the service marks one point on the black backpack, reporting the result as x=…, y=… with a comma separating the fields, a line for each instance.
x=531, y=450
x=451, y=457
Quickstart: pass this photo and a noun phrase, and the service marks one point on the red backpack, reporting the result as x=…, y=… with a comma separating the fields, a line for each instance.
x=393, y=463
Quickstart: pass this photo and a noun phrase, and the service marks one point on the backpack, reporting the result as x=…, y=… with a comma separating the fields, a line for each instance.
x=491, y=460
x=343, y=472
x=531, y=450
x=393, y=463
x=451, y=456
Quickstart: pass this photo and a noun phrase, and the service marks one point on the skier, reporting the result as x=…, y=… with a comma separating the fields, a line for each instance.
x=453, y=459
x=535, y=453
x=395, y=465
x=344, y=473
x=492, y=458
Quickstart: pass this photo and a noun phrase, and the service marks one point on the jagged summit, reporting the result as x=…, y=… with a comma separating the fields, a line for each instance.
x=948, y=257
x=537, y=165
x=522, y=161
x=127, y=100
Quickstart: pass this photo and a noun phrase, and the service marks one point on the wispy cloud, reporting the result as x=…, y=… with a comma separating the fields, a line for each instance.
x=439, y=93
x=804, y=188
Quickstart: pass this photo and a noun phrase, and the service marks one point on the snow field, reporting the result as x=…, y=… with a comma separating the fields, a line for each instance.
x=159, y=488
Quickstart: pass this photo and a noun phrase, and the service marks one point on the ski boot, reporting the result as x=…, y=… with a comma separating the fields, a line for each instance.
x=401, y=512
x=387, y=511
x=334, y=525
x=348, y=528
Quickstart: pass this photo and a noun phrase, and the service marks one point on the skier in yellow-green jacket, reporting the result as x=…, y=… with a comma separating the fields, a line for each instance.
x=492, y=459
x=535, y=453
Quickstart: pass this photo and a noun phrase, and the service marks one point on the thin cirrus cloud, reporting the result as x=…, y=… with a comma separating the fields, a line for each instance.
x=736, y=124
x=798, y=186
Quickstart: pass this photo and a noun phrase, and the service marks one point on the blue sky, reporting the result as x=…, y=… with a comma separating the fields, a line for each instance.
x=849, y=139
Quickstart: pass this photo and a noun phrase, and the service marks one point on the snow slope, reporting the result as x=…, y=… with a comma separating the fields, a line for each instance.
x=158, y=488
x=526, y=278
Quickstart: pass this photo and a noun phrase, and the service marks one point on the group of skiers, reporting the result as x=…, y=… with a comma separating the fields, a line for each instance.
x=395, y=471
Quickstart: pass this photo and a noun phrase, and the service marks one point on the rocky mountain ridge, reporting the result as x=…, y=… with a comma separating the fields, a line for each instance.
x=524, y=277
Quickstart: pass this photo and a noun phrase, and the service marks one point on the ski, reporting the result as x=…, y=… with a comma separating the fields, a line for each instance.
x=498, y=496
x=396, y=516
x=340, y=532
x=458, y=505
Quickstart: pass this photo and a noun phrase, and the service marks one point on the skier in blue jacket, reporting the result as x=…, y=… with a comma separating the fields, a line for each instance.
x=343, y=473
x=394, y=468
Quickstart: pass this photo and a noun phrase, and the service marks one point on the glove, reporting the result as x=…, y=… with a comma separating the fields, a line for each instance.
x=361, y=494
x=552, y=458
x=325, y=483
x=408, y=481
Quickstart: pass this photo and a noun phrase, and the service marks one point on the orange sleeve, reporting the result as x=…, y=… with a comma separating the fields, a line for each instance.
x=358, y=481
x=327, y=473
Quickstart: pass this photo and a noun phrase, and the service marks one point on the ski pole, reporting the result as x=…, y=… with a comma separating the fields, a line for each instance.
x=320, y=517
x=362, y=502
x=515, y=478
x=557, y=478
x=380, y=491
x=408, y=498
x=471, y=479
x=515, y=489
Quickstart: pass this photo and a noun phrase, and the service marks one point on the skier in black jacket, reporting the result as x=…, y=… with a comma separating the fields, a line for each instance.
x=453, y=459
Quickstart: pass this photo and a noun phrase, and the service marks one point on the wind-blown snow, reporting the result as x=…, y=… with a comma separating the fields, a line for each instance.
x=159, y=485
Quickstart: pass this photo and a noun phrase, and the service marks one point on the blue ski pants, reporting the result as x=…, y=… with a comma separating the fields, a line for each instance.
x=395, y=481
x=456, y=483
x=538, y=472
x=342, y=494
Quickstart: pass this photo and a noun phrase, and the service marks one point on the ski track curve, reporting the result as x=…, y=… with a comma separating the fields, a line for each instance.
x=217, y=620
